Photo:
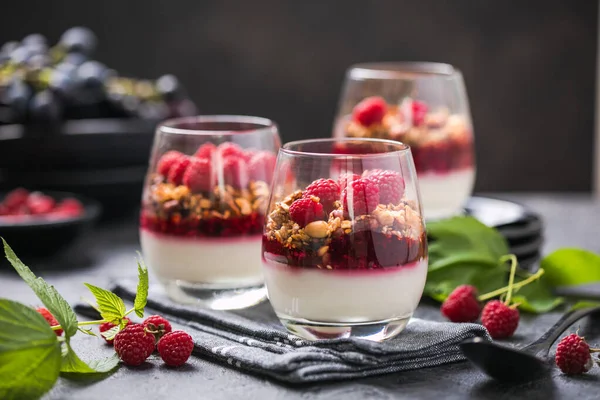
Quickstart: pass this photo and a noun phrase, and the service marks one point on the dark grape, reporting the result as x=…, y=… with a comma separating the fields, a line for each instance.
x=45, y=107
x=62, y=82
x=34, y=38
x=17, y=96
x=169, y=87
x=92, y=74
x=79, y=39
x=38, y=61
x=20, y=55
x=75, y=58
x=8, y=47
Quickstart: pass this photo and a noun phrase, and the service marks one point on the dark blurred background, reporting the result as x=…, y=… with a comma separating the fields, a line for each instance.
x=529, y=66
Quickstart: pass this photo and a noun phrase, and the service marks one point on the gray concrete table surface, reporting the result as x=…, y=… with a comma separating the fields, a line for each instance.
x=110, y=251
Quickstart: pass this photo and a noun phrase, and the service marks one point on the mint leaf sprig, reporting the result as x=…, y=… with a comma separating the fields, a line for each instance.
x=32, y=356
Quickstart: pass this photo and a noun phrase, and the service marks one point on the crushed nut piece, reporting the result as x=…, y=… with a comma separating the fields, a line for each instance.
x=317, y=229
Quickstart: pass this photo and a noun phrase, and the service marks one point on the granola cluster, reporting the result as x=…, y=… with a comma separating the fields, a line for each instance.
x=341, y=242
x=167, y=200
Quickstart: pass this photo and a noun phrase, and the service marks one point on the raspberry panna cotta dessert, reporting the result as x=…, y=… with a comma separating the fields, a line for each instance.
x=345, y=251
x=441, y=144
x=157, y=326
x=574, y=355
x=203, y=215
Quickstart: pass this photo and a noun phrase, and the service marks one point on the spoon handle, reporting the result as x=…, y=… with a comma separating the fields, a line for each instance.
x=544, y=343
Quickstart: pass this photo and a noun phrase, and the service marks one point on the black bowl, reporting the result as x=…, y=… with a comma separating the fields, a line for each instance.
x=43, y=238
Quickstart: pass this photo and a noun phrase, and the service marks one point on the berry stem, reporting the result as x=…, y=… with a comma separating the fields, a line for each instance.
x=84, y=323
x=516, y=286
x=511, y=279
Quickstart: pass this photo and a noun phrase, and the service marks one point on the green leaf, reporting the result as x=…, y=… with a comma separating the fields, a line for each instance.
x=30, y=353
x=462, y=250
x=537, y=297
x=141, y=295
x=571, y=266
x=47, y=294
x=89, y=332
x=73, y=367
x=584, y=304
x=111, y=306
x=111, y=333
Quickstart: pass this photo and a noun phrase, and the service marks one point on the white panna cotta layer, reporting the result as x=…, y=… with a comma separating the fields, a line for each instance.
x=444, y=195
x=344, y=296
x=219, y=262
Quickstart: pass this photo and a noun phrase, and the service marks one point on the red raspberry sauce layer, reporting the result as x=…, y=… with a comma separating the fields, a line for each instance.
x=364, y=250
x=245, y=225
x=443, y=157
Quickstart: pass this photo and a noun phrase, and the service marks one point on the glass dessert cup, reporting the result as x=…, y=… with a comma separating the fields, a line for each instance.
x=203, y=208
x=344, y=248
x=425, y=106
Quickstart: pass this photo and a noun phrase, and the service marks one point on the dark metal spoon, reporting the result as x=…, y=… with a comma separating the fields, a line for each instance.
x=510, y=364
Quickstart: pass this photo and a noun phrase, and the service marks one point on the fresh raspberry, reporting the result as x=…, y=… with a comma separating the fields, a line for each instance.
x=573, y=355
x=39, y=203
x=50, y=318
x=419, y=111
x=199, y=175
x=109, y=325
x=370, y=111
x=304, y=211
x=261, y=166
x=69, y=207
x=230, y=149
x=206, y=151
x=462, y=305
x=327, y=190
x=390, y=183
x=175, y=348
x=157, y=325
x=134, y=345
x=178, y=170
x=16, y=198
x=346, y=178
x=167, y=161
x=235, y=172
x=361, y=197
x=500, y=320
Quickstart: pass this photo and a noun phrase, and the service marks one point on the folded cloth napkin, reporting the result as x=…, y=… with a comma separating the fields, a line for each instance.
x=253, y=340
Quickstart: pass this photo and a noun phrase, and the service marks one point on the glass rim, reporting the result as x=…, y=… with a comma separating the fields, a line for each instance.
x=170, y=126
x=400, y=148
x=401, y=69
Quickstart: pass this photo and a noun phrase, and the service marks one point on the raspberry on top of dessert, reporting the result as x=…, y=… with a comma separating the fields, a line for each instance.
x=219, y=191
x=440, y=141
x=358, y=222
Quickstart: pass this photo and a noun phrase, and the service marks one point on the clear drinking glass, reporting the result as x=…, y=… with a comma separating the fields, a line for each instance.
x=203, y=208
x=425, y=106
x=344, y=248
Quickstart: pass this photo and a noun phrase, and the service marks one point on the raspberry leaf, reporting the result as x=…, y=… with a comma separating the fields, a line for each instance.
x=87, y=332
x=73, y=367
x=571, y=266
x=48, y=295
x=111, y=333
x=29, y=352
x=110, y=306
x=141, y=296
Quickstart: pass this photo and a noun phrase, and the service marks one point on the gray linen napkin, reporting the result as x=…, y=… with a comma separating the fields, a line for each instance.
x=253, y=340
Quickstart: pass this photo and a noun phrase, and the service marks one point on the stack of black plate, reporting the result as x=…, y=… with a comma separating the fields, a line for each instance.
x=105, y=159
x=522, y=228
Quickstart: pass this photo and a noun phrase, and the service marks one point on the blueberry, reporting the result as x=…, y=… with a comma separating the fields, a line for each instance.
x=8, y=47
x=63, y=83
x=38, y=61
x=92, y=74
x=34, y=38
x=45, y=106
x=79, y=39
